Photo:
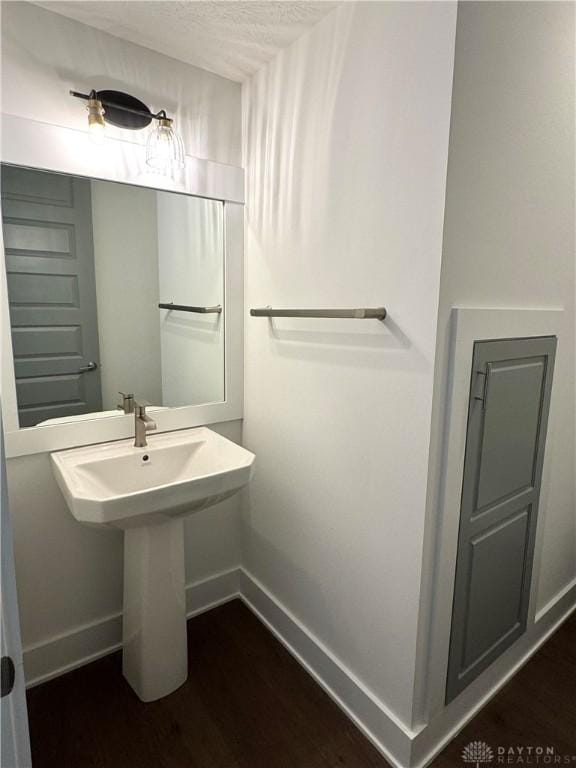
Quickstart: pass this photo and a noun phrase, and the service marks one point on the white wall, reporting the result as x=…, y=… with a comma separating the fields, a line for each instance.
x=346, y=149
x=190, y=270
x=126, y=267
x=45, y=55
x=509, y=239
x=70, y=577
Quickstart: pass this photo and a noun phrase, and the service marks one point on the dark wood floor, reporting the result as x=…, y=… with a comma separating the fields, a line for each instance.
x=248, y=704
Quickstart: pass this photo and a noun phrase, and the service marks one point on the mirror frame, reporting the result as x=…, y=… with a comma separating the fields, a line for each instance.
x=31, y=144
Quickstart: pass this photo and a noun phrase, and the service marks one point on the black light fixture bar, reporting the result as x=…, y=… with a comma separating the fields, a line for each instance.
x=115, y=103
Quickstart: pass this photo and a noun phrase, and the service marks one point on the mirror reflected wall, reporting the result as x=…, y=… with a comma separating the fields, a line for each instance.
x=88, y=265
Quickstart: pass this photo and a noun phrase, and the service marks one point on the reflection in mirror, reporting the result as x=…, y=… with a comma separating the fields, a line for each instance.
x=88, y=263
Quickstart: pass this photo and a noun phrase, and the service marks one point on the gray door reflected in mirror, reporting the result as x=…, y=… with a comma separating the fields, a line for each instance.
x=111, y=287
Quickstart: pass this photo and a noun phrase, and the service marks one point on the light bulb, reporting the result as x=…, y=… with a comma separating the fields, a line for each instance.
x=96, y=128
x=164, y=148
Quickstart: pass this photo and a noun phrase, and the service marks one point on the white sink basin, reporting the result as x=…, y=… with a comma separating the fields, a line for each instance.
x=177, y=473
x=147, y=492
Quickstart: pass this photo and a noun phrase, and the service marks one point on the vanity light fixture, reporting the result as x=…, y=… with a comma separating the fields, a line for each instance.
x=164, y=148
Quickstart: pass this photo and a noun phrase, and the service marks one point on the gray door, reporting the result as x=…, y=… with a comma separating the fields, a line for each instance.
x=47, y=220
x=507, y=418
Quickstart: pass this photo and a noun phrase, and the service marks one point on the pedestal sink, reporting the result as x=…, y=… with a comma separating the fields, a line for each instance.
x=147, y=492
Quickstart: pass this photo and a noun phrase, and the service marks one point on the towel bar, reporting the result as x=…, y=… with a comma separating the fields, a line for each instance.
x=362, y=313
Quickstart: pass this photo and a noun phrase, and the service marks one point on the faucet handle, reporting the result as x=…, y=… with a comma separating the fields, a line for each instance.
x=140, y=407
x=127, y=404
x=142, y=424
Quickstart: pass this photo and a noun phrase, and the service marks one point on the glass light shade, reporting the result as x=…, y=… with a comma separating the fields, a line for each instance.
x=164, y=148
x=96, y=128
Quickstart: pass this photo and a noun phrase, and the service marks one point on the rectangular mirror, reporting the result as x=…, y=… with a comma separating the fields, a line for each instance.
x=89, y=265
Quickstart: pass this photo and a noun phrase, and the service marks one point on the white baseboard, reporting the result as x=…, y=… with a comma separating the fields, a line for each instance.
x=560, y=597
x=435, y=736
x=61, y=653
x=401, y=746
x=388, y=734
x=70, y=650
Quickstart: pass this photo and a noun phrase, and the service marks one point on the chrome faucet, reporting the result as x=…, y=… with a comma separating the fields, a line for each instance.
x=127, y=404
x=142, y=424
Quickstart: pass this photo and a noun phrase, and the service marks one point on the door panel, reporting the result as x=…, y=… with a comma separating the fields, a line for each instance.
x=41, y=238
x=25, y=237
x=496, y=567
x=33, y=392
x=38, y=290
x=48, y=340
x=507, y=418
x=511, y=429
x=34, y=187
x=48, y=241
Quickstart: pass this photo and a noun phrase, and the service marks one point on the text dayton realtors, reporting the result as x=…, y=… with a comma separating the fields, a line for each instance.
x=532, y=756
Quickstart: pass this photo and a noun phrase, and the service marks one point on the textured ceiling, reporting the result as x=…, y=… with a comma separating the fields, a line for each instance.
x=230, y=37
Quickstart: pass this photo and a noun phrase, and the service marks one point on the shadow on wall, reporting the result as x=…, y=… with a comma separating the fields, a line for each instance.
x=347, y=348
x=192, y=328
x=286, y=183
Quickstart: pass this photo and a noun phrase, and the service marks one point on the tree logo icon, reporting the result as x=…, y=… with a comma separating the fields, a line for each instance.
x=477, y=752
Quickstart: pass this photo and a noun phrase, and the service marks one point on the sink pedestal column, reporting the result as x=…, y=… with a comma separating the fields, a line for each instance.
x=155, y=658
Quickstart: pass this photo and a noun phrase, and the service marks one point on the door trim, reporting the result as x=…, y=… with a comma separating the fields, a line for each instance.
x=470, y=324
x=15, y=734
